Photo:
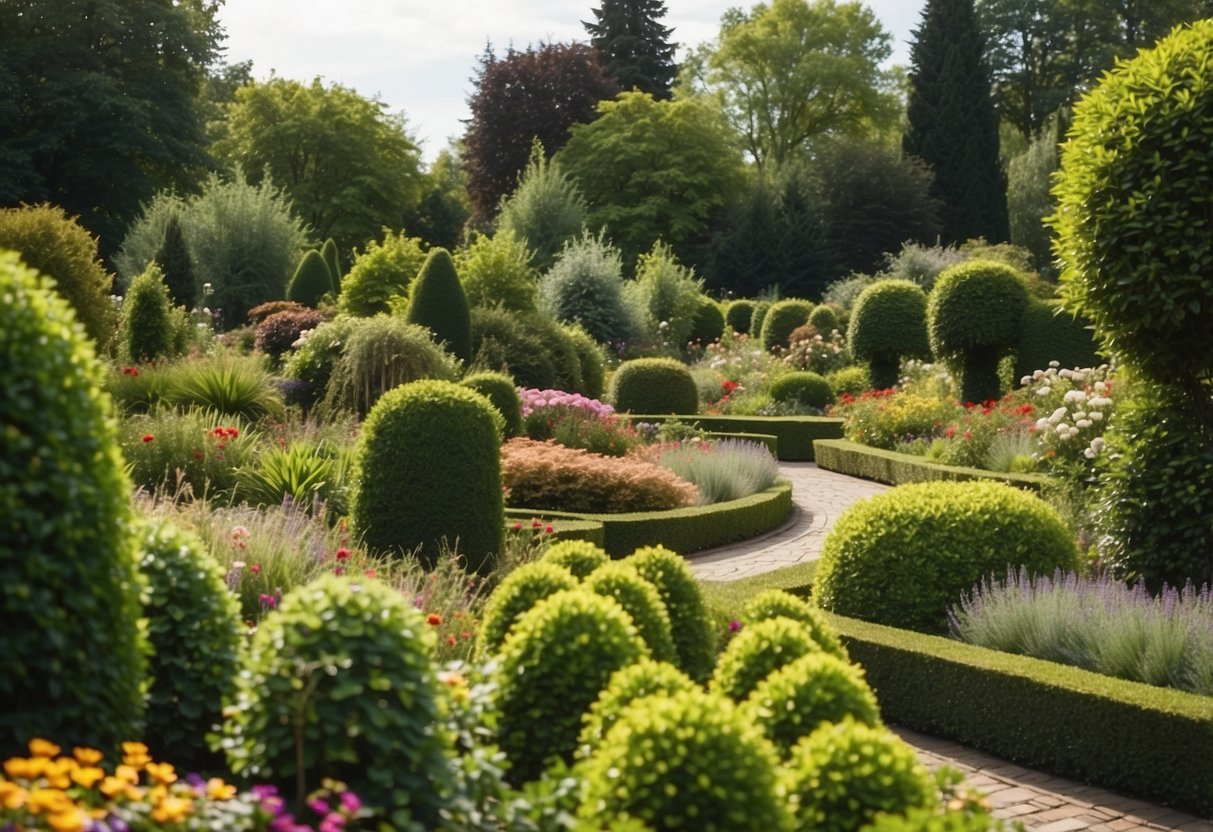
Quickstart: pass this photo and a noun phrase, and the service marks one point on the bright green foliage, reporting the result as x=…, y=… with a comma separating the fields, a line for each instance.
x=644, y=678
x=437, y=302
x=889, y=321
x=173, y=258
x=592, y=361
x=1051, y=334
x=146, y=331
x=635, y=47
x=496, y=271
x=195, y=631
x=73, y=660
x=779, y=321
x=303, y=472
x=313, y=362
x=341, y=677
x=1029, y=201
x=580, y=557
x=708, y=323
x=738, y=315
x=841, y=776
x=775, y=603
x=333, y=259
x=803, y=388
x=758, y=651
x=532, y=348
x=685, y=761
x=654, y=385
x=585, y=286
x=406, y=492
x=974, y=315
x=931, y=820
x=761, y=308
x=517, y=593
x=823, y=319
x=902, y=557
x=553, y=665
x=311, y=281
x=499, y=389
x=668, y=294
x=799, y=697
x=689, y=620
x=853, y=380
x=641, y=601
x=190, y=451
x=229, y=385
x=380, y=273
x=546, y=212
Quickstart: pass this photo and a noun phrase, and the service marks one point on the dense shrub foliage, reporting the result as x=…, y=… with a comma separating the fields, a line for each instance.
x=312, y=280
x=802, y=388
x=758, y=651
x=689, y=619
x=654, y=385
x=585, y=286
x=779, y=321
x=496, y=272
x=641, y=601
x=580, y=557
x=1050, y=334
x=530, y=347
x=639, y=680
x=146, y=330
x=775, y=603
x=522, y=589
x=738, y=315
x=438, y=303
x=277, y=334
x=382, y=272
x=888, y=321
x=499, y=389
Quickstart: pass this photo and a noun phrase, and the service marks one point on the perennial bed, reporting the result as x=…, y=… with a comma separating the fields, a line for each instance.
x=856, y=460
x=794, y=435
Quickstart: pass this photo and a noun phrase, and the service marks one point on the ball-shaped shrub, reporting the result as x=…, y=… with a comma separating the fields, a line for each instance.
x=686, y=761
x=552, y=667
x=974, y=315
x=580, y=557
x=641, y=601
x=194, y=625
x=427, y=468
x=340, y=680
x=708, y=323
x=1050, y=334
x=654, y=385
x=738, y=315
x=902, y=557
x=801, y=696
x=843, y=774
x=277, y=334
x=501, y=390
x=802, y=388
x=646, y=677
x=824, y=319
x=382, y=272
x=889, y=322
x=517, y=593
x=146, y=331
x=694, y=638
x=313, y=279
x=592, y=361
x=758, y=651
x=775, y=603
x=438, y=303
x=761, y=308
x=73, y=661
x=850, y=381
x=781, y=319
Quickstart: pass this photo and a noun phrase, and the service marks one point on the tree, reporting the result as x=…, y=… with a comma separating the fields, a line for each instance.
x=634, y=46
x=537, y=94
x=443, y=209
x=173, y=258
x=98, y=104
x=1029, y=176
x=348, y=165
x=546, y=211
x=952, y=124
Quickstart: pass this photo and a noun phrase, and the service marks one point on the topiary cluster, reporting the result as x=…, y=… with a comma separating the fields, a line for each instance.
x=690, y=623
x=708, y=323
x=758, y=651
x=761, y=308
x=501, y=390
x=654, y=385
x=1050, y=334
x=438, y=303
x=738, y=315
x=276, y=335
x=580, y=557
x=824, y=319
x=640, y=600
x=146, y=332
x=517, y=593
x=902, y=557
x=775, y=603
x=802, y=388
x=646, y=677
x=888, y=323
x=313, y=279
x=779, y=321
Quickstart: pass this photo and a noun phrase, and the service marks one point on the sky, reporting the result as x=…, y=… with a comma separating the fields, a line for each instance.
x=418, y=56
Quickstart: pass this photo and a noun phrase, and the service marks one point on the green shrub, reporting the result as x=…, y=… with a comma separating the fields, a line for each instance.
x=428, y=468
x=339, y=682
x=758, y=651
x=667, y=294
x=546, y=212
x=303, y=473
x=580, y=557
x=775, y=603
x=902, y=557
x=496, y=272
x=332, y=259
x=146, y=331
x=823, y=319
x=592, y=362
x=517, y=593
x=708, y=324
x=1051, y=334
x=802, y=388
x=194, y=450
x=685, y=761
x=380, y=273
x=313, y=279
x=850, y=381
x=500, y=389
x=173, y=258
x=761, y=308
x=73, y=661
x=234, y=386
x=532, y=348
x=779, y=321
x=723, y=470
x=312, y=363
x=738, y=315
x=276, y=335
x=654, y=385
x=553, y=665
x=690, y=623
x=644, y=678
x=194, y=625
x=841, y=776
x=974, y=317
x=795, y=700
x=585, y=286
x=888, y=323
x=438, y=303
x=641, y=601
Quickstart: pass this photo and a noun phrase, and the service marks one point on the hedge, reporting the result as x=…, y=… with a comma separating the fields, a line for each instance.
x=857, y=460
x=794, y=434
x=564, y=528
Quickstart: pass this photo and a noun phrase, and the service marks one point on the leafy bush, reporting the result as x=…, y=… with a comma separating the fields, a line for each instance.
x=496, y=272
x=277, y=334
x=761, y=308
x=902, y=557
x=850, y=381
x=188, y=453
x=146, y=330
x=1049, y=334
x=592, y=362
x=640, y=600
x=312, y=362
x=380, y=273
x=313, y=279
x=809, y=350
x=639, y=680
x=922, y=264
x=783, y=317
x=885, y=418
x=234, y=386
x=667, y=295
x=263, y=310
x=304, y=473
x=585, y=286
x=803, y=388
x=438, y=303
x=708, y=323
x=889, y=322
x=726, y=470
x=580, y=557
x=775, y=603
x=517, y=593
x=531, y=348
x=546, y=212
x=499, y=389
x=738, y=315
x=758, y=651
x=689, y=619
x=654, y=385
x=824, y=319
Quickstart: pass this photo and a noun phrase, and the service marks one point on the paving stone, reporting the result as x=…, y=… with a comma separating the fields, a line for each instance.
x=1063, y=825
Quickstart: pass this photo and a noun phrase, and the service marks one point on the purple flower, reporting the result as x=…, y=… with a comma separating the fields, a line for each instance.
x=734, y=625
x=350, y=803
x=320, y=807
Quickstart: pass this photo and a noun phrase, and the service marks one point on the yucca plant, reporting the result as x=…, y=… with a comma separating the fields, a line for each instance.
x=303, y=473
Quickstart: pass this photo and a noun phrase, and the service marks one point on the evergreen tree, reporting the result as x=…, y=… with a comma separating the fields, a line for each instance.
x=952, y=122
x=173, y=258
x=634, y=46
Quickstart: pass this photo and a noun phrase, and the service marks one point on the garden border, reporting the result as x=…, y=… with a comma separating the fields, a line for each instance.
x=795, y=435
x=856, y=460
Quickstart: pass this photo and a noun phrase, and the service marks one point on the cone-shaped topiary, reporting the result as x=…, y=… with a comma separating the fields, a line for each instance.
x=428, y=468
x=774, y=603
x=739, y=314
x=708, y=324
x=517, y=593
x=73, y=652
x=146, y=330
x=175, y=264
x=195, y=630
x=580, y=557
x=499, y=389
x=686, y=761
x=312, y=280
x=889, y=322
x=641, y=601
x=823, y=319
x=779, y=321
x=758, y=651
x=437, y=302
x=553, y=665
x=1050, y=334
x=332, y=259
x=802, y=388
x=690, y=624
x=341, y=679
x=646, y=677
x=654, y=385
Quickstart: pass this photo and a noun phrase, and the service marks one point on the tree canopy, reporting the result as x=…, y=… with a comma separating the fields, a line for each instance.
x=634, y=45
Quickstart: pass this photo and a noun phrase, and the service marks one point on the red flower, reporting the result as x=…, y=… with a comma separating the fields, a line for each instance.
x=147, y=437
x=535, y=523
x=517, y=525
x=548, y=529
x=434, y=619
x=338, y=570
x=370, y=573
x=342, y=554
x=451, y=640
x=130, y=371
x=255, y=569
x=198, y=455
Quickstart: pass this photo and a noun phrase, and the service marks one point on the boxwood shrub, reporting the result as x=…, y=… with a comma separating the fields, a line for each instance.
x=646, y=677
x=758, y=651
x=654, y=385
x=689, y=620
x=640, y=600
x=775, y=603
x=517, y=593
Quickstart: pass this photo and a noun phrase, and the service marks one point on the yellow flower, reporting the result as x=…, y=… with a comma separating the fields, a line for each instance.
x=49, y=800
x=216, y=789
x=19, y=768
x=59, y=772
x=43, y=748
x=135, y=754
x=161, y=772
x=69, y=821
x=87, y=756
x=12, y=796
x=172, y=810
x=128, y=774
x=87, y=776
x=112, y=787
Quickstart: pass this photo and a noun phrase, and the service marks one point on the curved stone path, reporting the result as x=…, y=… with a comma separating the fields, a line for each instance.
x=1042, y=802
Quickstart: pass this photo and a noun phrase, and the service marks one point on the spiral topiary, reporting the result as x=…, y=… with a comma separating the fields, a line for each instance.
x=842, y=775
x=775, y=603
x=69, y=588
x=313, y=279
x=781, y=319
x=738, y=315
x=580, y=557
x=552, y=667
x=685, y=761
x=146, y=330
x=646, y=677
x=690, y=623
x=438, y=303
x=654, y=385
x=195, y=631
x=340, y=682
x=517, y=593
x=405, y=493
x=802, y=388
x=902, y=557
x=499, y=389
x=823, y=319
x=641, y=601
x=758, y=651
x=802, y=695
x=888, y=323
x=708, y=323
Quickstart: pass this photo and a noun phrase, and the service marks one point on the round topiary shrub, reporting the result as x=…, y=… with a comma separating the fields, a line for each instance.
x=195, y=630
x=903, y=557
x=783, y=317
x=332, y=259
x=552, y=667
x=685, y=761
x=313, y=279
x=842, y=775
x=438, y=303
x=641, y=601
x=974, y=316
x=340, y=680
x=592, y=361
x=775, y=603
x=146, y=331
x=852, y=381
x=427, y=468
x=636, y=681
x=801, y=696
x=690, y=624
x=823, y=319
x=501, y=390
x=69, y=588
x=708, y=323
x=654, y=385
x=580, y=557
x=758, y=651
x=1050, y=334
x=888, y=323
x=277, y=334
x=517, y=593
x=802, y=388
x=738, y=315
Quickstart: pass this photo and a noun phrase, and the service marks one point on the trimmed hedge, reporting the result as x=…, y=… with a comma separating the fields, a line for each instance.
x=794, y=435
x=894, y=468
x=563, y=528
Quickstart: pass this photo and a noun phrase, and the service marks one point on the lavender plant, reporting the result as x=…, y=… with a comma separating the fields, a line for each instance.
x=726, y=470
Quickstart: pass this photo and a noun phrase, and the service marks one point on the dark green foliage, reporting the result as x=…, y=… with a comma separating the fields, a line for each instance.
x=902, y=557
x=146, y=329
x=531, y=348
x=776, y=603
x=404, y=495
x=333, y=260
x=195, y=631
x=888, y=321
x=641, y=601
x=314, y=361
x=592, y=361
x=758, y=651
x=654, y=385
x=738, y=315
x=1052, y=334
x=585, y=286
x=761, y=308
x=896, y=468
x=341, y=678
x=803, y=388
x=380, y=273
x=644, y=678
x=580, y=557
x=545, y=212
x=974, y=315
x=554, y=664
x=635, y=48
x=779, y=321
x=277, y=334
x=517, y=593
x=499, y=389
x=689, y=620
x=312, y=280
x=823, y=319
x=437, y=302
x=69, y=589
x=708, y=324
x=173, y=258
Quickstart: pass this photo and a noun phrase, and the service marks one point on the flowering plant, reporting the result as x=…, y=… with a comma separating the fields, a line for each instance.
x=809, y=350
x=575, y=421
x=1079, y=404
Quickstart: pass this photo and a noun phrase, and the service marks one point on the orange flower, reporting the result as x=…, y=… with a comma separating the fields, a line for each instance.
x=162, y=773
x=12, y=796
x=87, y=756
x=43, y=748
x=216, y=789
x=87, y=776
x=135, y=754
x=434, y=619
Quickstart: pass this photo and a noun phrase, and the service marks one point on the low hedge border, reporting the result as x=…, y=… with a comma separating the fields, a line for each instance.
x=683, y=530
x=1133, y=738
x=895, y=468
x=562, y=529
x=795, y=434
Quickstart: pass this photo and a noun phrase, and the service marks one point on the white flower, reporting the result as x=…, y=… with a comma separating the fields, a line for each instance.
x=1042, y=424
x=1065, y=373
x=1054, y=364
x=1025, y=381
x=1038, y=375
x=1057, y=415
x=1075, y=396
x=1044, y=391
x=1098, y=402
x=1082, y=424
x=1100, y=387
x=1089, y=453
x=1098, y=444
x=1079, y=414
x=1095, y=417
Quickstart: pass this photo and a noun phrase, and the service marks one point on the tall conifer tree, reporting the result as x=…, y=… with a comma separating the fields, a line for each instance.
x=634, y=46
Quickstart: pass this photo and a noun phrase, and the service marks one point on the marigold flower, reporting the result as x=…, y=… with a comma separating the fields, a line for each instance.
x=58, y=773
x=434, y=619
x=452, y=641
x=43, y=748
x=70, y=820
x=147, y=437
x=172, y=810
x=216, y=789
x=12, y=796
x=49, y=801
x=87, y=756
x=88, y=776
x=162, y=773
x=135, y=754
x=19, y=768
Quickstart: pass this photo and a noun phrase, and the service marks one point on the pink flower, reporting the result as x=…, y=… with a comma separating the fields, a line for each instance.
x=342, y=554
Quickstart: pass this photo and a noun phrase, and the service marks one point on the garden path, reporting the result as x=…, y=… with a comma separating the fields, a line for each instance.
x=1042, y=802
